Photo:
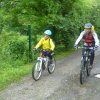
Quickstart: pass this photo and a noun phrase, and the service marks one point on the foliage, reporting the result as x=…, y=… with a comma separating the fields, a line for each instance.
x=65, y=18
x=14, y=48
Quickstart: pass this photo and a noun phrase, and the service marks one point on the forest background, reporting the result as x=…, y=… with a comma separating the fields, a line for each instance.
x=65, y=18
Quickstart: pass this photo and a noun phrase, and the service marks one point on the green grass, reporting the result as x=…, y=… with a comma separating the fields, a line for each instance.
x=10, y=75
x=63, y=54
x=13, y=74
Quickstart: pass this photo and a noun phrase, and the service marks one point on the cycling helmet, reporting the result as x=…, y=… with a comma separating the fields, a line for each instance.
x=48, y=32
x=88, y=25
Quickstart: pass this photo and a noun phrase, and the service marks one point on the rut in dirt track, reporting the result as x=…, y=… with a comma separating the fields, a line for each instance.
x=63, y=84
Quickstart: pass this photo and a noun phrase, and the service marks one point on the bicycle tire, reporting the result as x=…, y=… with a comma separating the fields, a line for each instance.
x=88, y=68
x=51, y=67
x=83, y=72
x=37, y=67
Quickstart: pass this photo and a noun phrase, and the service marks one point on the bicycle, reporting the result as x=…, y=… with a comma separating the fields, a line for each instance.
x=42, y=63
x=85, y=68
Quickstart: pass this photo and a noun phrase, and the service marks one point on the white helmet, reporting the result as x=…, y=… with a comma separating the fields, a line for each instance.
x=88, y=25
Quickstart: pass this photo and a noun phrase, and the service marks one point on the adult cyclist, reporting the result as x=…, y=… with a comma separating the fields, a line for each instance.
x=47, y=44
x=90, y=38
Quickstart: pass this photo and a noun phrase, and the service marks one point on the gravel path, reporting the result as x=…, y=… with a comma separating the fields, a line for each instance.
x=63, y=84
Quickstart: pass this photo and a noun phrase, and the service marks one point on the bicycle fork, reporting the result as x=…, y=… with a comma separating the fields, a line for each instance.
x=41, y=62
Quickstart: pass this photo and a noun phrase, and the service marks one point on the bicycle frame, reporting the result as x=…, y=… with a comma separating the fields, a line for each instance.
x=86, y=55
x=42, y=63
x=43, y=59
x=85, y=63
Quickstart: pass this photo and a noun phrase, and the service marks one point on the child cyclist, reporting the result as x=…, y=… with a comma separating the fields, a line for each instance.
x=90, y=38
x=47, y=44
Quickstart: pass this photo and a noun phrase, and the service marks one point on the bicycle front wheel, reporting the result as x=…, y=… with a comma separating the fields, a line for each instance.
x=37, y=70
x=51, y=66
x=83, y=72
x=88, y=68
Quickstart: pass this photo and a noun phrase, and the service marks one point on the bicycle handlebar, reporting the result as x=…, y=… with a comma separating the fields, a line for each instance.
x=86, y=47
x=40, y=50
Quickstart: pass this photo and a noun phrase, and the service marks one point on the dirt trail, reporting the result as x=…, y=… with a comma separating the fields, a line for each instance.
x=63, y=84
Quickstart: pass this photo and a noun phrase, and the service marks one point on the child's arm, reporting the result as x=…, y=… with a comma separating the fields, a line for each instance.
x=39, y=44
x=52, y=44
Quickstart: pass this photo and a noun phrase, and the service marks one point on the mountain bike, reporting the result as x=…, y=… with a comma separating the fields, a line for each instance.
x=85, y=67
x=42, y=63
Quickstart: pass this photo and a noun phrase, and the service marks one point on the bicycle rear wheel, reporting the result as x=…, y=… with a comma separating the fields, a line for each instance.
x=37, y=70
x=51, y=66
x=83, y=72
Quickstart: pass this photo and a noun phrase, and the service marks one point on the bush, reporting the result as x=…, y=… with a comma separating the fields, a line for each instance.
x=15, y=48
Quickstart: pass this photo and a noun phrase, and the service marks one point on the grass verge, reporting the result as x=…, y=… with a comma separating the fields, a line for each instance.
x=12, y=74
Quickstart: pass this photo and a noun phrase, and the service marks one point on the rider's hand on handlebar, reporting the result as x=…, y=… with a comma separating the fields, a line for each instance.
x=49, y=50
x=96, y=47
x=34, y=49
x=75, y=46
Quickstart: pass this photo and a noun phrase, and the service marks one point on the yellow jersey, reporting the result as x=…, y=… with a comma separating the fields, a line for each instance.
x=46, y=44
